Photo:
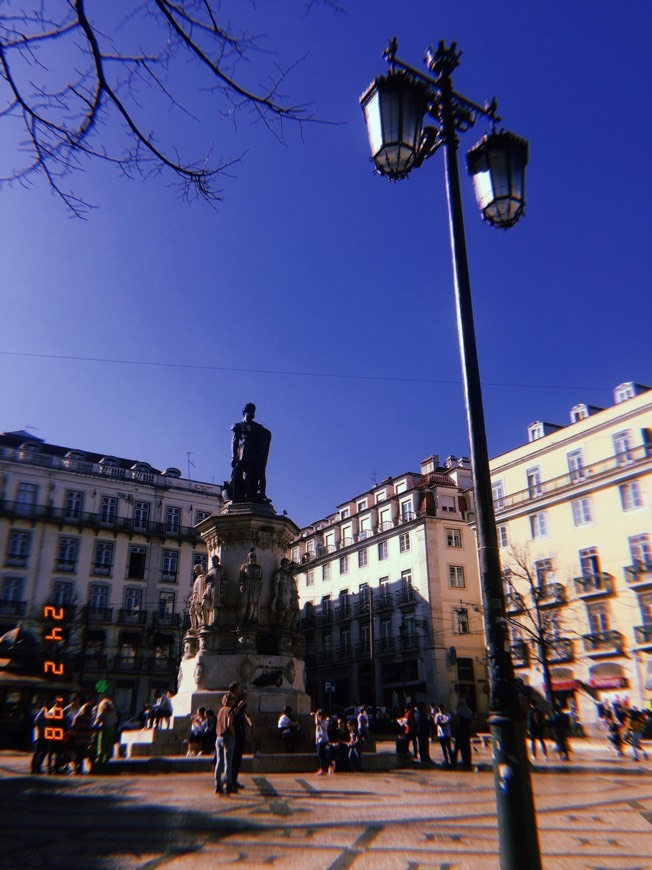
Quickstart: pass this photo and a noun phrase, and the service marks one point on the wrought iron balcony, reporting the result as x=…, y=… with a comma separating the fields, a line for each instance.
x=643, y=634
x=551, y=594
x=383, y=601
x=520, y=654
x=162, y=664
x=13, y=608
x=166, y=620
x=405, y=597
x=132, y=617
x=65, y=566
x=560, y=651
x=639, y=575
x=592, y=585
x=514, y=602
x=385, y=645
x=601, y=642
x=410, y=642
x=362, y=607
x=128, y=663
x=99, y=614
x=343, y=611
x=362, y=650
x=325, y=617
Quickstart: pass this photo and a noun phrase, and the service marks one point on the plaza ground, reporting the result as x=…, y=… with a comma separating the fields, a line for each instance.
x=595, y=812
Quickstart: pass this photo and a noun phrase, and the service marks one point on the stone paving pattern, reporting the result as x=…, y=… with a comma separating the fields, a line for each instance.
x=595, y=812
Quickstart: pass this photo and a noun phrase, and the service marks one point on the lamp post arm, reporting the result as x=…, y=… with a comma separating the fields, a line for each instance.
x=519, y=847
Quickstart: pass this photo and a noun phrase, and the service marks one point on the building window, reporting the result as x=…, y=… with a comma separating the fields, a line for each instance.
x=141, y=516
x=382, y=551
x=170, y=566
x=631, y=496
x=365, y=528
x=599, y=618
x=385, y=520
x=363, y=558
x=108, y=510
x=18, y=547
x=461, y=620
x=624, y=392
x=98, y=598
x=640, y=547
x=347, y=536
x=363, y=634
x=103, y=558
x=534, y=486
x=498, y=494
x=344, y=513
x=404, y=542
x=503, y=537
x=406, y=579
x=62, y=593
x=544, y=572
x=326, y=571
x=344, y=565
x=538, y=525
x=381, y=496
x=535, y=431
x=172, y=520
x=133, y=599
x=362, y=505
x=199, y=517
x=26, y=498
x=453, y=538
x=456, y=576
x=67, y=554
x=576, y=465
x=74, y=505
x=406, y=510
x=295, y=554
x=623, y=448
x=310, y=578
x=137, y=560
x=589, y=562
x=345, y=641
x=166, y=601
x=12, y=589
x=645, y=603
x=582, y=513
x=447, y=503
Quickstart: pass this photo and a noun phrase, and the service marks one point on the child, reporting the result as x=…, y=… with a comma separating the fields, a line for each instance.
x=354, y=746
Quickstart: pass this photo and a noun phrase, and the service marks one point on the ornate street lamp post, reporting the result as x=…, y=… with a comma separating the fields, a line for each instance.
x=395, y=107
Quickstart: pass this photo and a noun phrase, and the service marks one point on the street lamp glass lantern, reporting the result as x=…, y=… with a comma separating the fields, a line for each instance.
x=394, y=107
x=497, y=165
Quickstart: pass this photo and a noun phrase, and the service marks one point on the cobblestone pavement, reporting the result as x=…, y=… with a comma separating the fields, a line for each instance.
x=409, y=819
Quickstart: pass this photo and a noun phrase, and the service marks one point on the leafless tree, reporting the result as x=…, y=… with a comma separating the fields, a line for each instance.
x=69, y=67
x=535, y=612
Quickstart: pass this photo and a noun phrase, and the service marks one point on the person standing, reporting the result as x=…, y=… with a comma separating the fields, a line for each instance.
x=536, y=727
x=462, y=731
x=443, y=728
x=423, y=732
x=241, y=721
x=224, y=746
x=321, y=742
x=104, y=724
x=40, y=746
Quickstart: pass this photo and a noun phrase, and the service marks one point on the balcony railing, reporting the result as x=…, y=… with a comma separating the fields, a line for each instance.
x=411, y=642
x=643, y=634
x=362, y=607
x=405, y=597
x=13, y=608
x=132, y=617
x=128, y=663
x=520, y=655
x=594, y=584
x=603, y=642
x=65, y=566
x=325, y=617
x=560, y=651
x=383, y=601
x=385, y=645
x=551, y=594
x=162, y=664
x=639, y=573
x=168, y=620
x=362, y=650
x=99, y=614
x=343, y=612
x=573, y=480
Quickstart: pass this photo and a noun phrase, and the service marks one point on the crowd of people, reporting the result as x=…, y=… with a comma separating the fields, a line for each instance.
x=624, y=726
x=424, y=725
x=71, y=738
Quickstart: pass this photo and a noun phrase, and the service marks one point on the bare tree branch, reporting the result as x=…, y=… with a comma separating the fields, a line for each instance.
x=63, y=119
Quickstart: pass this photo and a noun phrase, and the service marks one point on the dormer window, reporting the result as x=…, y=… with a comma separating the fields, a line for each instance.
x=174, y=473
x=579, y=412
x=143, y=472
x=535, y=431
x=624, y=392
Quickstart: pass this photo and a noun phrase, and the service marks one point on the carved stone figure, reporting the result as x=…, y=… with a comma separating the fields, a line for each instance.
x=217, y=578
x=251, y=584
x=249, y=452
x=195, y=603
x=208, y=603
x=285, y=598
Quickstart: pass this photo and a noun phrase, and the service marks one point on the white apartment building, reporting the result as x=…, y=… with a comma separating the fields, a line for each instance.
x=110, y=540
x=574, y=504
x=390, y=597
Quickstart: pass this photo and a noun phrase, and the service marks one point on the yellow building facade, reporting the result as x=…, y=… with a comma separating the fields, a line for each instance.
x=575, y=530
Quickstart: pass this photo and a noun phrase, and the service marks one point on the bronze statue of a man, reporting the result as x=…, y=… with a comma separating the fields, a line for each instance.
x=249, y=452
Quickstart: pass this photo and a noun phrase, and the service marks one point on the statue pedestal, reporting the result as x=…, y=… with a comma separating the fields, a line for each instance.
x=266, y=660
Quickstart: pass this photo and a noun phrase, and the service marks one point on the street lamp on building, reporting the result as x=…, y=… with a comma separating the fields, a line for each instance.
x=395, y=108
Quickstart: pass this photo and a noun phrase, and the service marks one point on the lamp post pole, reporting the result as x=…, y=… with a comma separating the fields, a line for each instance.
x=395, y=106
x=517, y=829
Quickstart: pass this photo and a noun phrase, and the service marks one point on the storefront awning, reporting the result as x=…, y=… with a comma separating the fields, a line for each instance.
x=563, y=685
x=613, y=682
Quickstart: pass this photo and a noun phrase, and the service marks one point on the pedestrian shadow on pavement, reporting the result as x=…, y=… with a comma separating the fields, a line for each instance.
x=58, y=823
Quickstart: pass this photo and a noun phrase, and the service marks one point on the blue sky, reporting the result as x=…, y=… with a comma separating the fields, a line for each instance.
x=323, y=293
